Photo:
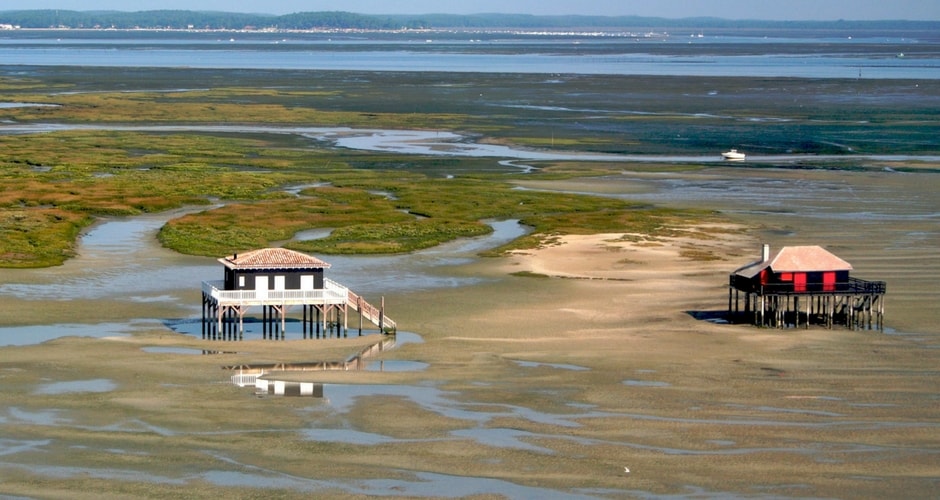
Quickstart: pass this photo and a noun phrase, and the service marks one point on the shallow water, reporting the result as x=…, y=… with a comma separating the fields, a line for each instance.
x=613, y=53
x=36, y=334
x=10, y=105
x=117, y=259
x=14, y=446
x=93, y=385
x=396, y=365
x=175, y=350
x=40, y=417
x=341, y=399
x=423, y=484
x=438, y=143
x=645, y=383
x=561, y=366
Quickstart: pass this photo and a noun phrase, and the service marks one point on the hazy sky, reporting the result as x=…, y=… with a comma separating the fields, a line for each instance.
x=730, y=9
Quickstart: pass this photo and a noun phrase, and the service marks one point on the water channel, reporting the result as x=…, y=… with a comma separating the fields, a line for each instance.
x=441, y=143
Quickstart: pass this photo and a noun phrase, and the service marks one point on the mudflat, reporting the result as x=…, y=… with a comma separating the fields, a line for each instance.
x=561, y=367
x=547, y=372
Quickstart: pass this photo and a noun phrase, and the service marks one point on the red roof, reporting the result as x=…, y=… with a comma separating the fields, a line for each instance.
x=800, y=259
x=273, y=258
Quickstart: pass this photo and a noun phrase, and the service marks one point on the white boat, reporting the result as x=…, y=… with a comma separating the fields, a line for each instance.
x=733, y=155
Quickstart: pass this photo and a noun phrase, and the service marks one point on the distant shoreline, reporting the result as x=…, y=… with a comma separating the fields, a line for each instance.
x=234, y=21
x=516, y=32
x=922, y=34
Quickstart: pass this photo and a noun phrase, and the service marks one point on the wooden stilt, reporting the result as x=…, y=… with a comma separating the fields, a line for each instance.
x=382, y=316
x=202, y=310
x=730, y=313
x=219, y=314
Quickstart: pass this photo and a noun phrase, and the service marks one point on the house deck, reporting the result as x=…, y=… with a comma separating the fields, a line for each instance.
x=324, y=309
x=855, y=303
x=802, y=285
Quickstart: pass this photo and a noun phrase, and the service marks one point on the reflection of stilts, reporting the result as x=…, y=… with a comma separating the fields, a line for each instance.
x=254, y=374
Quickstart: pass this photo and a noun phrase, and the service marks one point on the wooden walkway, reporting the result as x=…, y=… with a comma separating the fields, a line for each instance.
x=324, y=310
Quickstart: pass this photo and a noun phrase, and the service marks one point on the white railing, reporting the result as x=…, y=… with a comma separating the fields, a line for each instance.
x=370, y=312
x=243, y=379
x=331, y=293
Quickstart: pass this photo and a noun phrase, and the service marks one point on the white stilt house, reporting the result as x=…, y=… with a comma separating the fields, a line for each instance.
x=277, y=279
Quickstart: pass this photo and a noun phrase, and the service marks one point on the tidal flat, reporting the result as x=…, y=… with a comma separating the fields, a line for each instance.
x=547, y=368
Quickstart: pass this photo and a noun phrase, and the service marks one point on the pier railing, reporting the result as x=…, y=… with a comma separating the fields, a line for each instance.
x=852, y=286
x=371, y=313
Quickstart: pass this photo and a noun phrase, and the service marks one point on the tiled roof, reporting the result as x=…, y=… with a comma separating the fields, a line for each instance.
x=273, y=258
x=799, y=259
x=807, y=259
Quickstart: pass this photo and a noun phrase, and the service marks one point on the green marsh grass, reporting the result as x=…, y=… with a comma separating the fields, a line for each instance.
x=62, y=180
x=38, y=237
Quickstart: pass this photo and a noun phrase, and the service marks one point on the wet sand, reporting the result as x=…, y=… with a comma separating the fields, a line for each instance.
x=534, y=386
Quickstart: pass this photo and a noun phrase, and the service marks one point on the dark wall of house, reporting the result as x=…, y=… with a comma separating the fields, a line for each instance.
x=790, y=282
x=291, y=278
x=812, y=281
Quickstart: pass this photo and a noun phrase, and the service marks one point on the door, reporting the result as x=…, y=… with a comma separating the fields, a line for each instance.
x=261, y=286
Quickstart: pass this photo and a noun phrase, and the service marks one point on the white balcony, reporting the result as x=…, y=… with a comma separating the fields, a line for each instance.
x=331, y=293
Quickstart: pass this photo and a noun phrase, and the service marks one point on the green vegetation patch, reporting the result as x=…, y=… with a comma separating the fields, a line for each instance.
x=392, y=238
x=368, y=213
x=39, y=237
x=52, y=185
x=241, y=226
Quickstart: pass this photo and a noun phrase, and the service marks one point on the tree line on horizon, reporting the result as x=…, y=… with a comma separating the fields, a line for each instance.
x=186, y=19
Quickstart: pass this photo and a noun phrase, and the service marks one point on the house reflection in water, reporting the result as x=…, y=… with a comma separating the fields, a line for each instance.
x=264, y=377
x=283, y=388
